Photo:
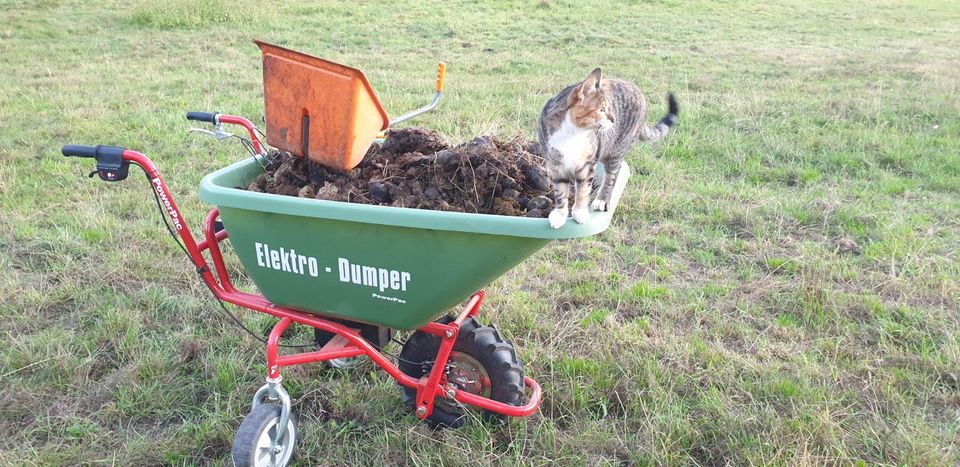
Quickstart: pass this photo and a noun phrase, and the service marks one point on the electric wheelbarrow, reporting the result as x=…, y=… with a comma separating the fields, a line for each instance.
x=352, y=271
x=356, y=273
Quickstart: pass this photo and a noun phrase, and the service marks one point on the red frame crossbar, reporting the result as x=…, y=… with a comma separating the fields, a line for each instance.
x=349, y=343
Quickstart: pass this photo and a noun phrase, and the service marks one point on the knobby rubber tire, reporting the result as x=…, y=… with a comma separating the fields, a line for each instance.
x=484, y=344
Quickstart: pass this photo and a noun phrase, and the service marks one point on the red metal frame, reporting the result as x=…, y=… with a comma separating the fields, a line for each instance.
x=350, y=344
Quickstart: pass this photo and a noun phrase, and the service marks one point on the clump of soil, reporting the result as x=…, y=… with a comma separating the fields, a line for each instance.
x=416, y=168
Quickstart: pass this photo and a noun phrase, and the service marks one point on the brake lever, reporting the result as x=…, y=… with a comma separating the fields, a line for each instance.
x=218, y=132
x=221, y=135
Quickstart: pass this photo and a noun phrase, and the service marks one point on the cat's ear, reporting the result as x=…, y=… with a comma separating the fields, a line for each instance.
x=595, y=74
x=592, y=83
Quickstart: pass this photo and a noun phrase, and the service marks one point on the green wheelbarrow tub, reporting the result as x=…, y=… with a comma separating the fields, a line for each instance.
x=394, y=267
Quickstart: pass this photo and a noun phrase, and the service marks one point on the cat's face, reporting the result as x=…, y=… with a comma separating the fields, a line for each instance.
x=588, y=106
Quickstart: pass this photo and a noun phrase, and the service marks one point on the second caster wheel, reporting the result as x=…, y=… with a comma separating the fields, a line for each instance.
x=252, y=446
x=376, y=335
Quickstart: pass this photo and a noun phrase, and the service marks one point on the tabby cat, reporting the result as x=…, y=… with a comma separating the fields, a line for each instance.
x=596, y=121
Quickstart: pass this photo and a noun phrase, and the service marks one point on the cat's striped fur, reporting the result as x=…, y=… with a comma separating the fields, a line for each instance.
x=597, y=120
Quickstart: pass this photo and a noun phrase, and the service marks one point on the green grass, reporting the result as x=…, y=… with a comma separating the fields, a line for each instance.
x=717, y=321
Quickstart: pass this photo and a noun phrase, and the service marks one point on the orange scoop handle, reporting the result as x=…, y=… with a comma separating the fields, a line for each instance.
x=441, y=75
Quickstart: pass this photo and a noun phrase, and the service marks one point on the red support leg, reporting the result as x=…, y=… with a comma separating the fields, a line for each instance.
x=427, y=386
x=273, y=368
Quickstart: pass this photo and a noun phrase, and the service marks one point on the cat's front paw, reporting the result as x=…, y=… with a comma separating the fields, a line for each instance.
x=598, y=205
x=581, y=216
x=558, y=217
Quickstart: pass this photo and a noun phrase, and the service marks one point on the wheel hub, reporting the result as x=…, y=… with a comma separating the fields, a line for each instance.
x=466, y=374
x=268, y=453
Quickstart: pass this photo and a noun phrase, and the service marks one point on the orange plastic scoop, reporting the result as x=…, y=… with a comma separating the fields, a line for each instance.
x=319, y=109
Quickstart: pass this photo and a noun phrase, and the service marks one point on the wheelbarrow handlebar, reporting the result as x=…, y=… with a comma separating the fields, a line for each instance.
x=77, y=150
x=219, y=119
x=209, y=117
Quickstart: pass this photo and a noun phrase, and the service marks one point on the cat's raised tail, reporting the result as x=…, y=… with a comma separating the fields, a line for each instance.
x=658, y=131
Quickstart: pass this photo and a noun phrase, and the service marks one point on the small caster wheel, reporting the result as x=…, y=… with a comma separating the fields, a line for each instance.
x=252, y=446
x=481, y=362
x=345, y=363
x=375, y=335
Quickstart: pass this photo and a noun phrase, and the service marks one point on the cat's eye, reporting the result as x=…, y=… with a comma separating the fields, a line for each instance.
x=603, y=109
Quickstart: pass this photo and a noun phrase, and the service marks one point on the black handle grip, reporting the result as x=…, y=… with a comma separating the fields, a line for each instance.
x=111, y=166
x=76, y=150
x=112, y=154
x=210, y=117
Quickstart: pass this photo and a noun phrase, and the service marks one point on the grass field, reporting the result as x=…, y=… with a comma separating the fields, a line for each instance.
x=780, y=285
